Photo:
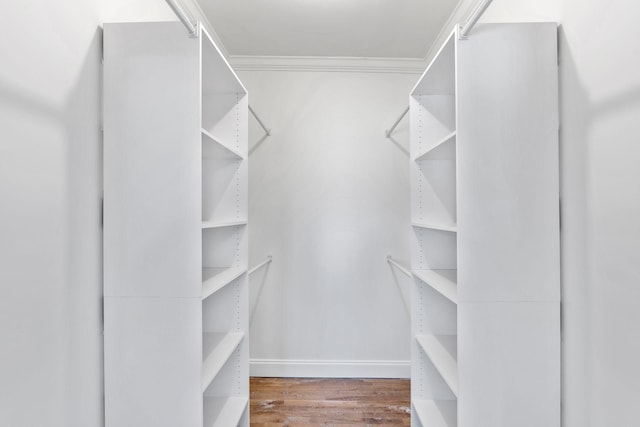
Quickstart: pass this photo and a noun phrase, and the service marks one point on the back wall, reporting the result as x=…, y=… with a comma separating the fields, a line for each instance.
x=329, y=199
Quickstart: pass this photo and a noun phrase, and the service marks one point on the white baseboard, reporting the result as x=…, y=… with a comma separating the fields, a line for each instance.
x=330, y=368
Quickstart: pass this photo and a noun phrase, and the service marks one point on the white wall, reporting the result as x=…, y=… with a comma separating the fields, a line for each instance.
x=50, y=187
x=329, y=199
x=600, y=130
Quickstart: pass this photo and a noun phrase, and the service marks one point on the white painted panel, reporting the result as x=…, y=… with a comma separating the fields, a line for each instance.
x=224, y=247
x=433, y=249
x=153, y=360
x=435, y=192
x=509, y=364
x=508, y=212
x=222, y=310
x=221, y=201
x=439, y=77
x=224, y=116
x=431, y=314
x=151, y=161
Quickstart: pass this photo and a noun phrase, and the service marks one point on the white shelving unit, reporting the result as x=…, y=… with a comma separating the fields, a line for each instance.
x=176, y=231
x=225, y=306
x=485, y=232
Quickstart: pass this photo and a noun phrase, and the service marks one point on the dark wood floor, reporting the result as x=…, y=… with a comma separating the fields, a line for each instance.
x=277, y=402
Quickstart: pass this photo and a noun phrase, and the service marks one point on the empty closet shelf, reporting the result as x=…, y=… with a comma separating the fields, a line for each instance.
x=213, y=147
x=222, y=224
x=432, y=152
x=432, y=226
x=217, y=349
x=443, y=281
x=214, y=279
x=436, y=413
x=223, y=411
x=442, y=350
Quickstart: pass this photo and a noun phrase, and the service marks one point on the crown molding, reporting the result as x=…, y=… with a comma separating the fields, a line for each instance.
x=327, y=64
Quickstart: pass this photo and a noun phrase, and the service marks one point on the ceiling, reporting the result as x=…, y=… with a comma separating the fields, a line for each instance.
x=333, y=28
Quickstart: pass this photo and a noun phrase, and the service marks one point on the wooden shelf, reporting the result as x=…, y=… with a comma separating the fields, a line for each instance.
x=441, y=227
x=218, y=348
x=441, y=350
x=443, y=281
x=218, y=149
x=224, y=412
x=214, y=279
x=436, y=413
x=222, y=224
x=450, y=138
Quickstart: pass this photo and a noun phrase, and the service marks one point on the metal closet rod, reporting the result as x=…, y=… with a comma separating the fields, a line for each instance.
x=193, y=32
x=267, y=131
x=182, y=16
x=464, y=31
x=259, y=266
x=395, y=263
x=395, y=125
x=473, y=19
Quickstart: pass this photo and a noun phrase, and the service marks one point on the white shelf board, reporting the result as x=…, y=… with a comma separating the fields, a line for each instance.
x=217, y=74
x=223, y=150
x=440, y=350
x=218, y=349
x=436, y=413
x=221, y=224
x=450, y=138
x=441, y=227
x=214, y=279
x=223, y=411
x=443, y=281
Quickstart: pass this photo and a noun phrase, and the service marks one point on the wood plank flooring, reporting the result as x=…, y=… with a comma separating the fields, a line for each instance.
x=291, y=402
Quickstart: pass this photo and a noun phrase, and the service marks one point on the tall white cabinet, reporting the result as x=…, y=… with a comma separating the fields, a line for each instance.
x=485, y=231
x=175, y=230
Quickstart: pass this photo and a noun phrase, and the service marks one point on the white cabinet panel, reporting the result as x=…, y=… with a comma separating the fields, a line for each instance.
x=509, y=364
x=152, y=161
x=153, y=362
x=508, y=212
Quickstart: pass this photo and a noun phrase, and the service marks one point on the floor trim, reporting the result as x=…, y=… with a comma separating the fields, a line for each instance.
x=290, y=368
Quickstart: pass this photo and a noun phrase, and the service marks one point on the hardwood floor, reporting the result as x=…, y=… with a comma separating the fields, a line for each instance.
x=277, y=402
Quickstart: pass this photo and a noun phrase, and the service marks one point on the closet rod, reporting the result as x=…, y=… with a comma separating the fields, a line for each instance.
x=182, y=16
x=473, y=19
x=393, y=262
x=388, y=132
x=260, y=121
x=259, y=266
